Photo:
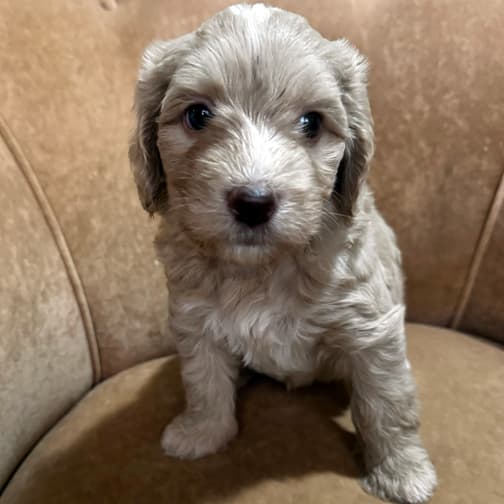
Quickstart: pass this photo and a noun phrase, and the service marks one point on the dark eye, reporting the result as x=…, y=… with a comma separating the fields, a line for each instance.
x=196, y=116
x=310, y=124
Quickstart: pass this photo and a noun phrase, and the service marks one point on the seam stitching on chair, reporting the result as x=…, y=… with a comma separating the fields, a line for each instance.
x=481, y=248
x=55, y=229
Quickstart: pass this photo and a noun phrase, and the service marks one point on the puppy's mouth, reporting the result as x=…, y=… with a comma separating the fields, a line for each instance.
x=256, y=237
x=249, y=246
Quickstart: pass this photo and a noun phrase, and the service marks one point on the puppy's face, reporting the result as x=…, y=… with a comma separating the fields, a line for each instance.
x=251, y=124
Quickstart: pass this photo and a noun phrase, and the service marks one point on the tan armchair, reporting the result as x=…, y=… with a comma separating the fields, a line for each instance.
x=87, y=375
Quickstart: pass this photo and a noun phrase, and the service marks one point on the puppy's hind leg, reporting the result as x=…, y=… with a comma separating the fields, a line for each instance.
x=209, y=375
x=384, y=411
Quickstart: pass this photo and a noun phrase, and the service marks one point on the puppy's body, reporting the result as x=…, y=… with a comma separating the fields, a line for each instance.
x=291, y=317
x=253, y=143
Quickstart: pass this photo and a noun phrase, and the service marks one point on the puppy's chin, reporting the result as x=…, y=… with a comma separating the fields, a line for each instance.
x=257, y=252
x=248, y=254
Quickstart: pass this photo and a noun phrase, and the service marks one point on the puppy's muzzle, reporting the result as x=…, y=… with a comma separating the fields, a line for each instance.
x=252, y=206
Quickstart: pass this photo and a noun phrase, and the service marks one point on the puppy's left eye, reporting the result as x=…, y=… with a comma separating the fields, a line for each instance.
x=196, y=116
x=310, y=124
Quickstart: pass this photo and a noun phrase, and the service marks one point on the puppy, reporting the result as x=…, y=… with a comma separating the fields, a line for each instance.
x=253, y=142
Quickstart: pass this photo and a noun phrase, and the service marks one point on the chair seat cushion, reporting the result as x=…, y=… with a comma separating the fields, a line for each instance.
x=293, y=447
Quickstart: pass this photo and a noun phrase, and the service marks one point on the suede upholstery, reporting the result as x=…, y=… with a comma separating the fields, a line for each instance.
x=45, y=364
x=68, y=98
x=292, y=447
x=484, y=313
x=82, y=295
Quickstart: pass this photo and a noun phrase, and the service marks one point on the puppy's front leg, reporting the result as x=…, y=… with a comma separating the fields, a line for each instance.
x=384, y=411
x=209, y=375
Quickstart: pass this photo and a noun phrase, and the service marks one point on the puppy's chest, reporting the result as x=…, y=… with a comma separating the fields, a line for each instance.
x=269, y=327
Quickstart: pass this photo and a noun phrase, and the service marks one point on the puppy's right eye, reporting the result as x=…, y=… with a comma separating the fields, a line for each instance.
x=196, y=116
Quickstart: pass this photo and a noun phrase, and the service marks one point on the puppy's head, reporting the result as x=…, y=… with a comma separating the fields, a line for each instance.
x=252, y=132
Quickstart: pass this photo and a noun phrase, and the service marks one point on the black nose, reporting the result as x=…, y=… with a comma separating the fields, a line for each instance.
x=251, y=205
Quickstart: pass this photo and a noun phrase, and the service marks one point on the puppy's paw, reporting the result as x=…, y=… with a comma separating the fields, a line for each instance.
x=190, y=437
x=407, y=478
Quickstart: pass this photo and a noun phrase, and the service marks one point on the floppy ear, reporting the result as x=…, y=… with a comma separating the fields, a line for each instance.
x=159, y=62
x=351, y=72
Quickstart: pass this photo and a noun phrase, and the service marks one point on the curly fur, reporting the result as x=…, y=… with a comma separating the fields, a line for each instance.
x=317, y=293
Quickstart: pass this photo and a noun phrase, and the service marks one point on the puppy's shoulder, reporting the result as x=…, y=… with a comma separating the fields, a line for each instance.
x=186, y=267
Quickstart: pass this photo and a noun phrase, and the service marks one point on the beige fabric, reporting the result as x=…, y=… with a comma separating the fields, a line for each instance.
x=288, y=451
x=68, y=70
x=45, y=364
x=484, y=312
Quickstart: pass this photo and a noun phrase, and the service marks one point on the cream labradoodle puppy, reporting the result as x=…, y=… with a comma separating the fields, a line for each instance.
x=253, y=142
